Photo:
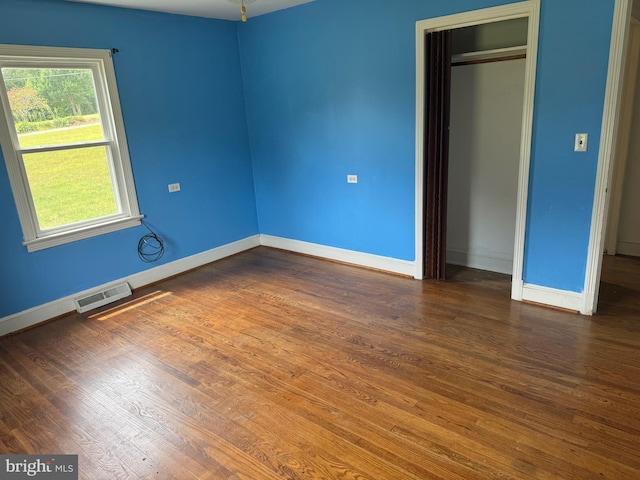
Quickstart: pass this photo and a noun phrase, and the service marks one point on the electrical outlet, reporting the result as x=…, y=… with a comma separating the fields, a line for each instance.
x=581, y=142
x=352, y=178
x=174, y=187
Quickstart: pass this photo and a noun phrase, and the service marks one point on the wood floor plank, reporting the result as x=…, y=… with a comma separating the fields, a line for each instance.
x=275, y=365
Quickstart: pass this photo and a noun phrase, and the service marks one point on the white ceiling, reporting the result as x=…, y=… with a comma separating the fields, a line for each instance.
x=223, y=9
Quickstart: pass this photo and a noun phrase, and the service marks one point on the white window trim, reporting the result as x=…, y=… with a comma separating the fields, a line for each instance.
x=101, y=63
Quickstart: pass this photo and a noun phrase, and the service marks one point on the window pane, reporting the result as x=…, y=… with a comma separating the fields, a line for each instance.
x=53, y=106
x=70, y=186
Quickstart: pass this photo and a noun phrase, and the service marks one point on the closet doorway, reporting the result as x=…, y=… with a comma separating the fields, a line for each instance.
x=481, y=181
x=487, y=98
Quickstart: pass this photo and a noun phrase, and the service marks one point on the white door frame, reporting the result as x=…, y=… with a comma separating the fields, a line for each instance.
x=623, y=138
x=610, y=119
x=531, y=10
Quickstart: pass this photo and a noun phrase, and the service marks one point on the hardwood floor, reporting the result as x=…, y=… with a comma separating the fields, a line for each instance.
x=274, y=365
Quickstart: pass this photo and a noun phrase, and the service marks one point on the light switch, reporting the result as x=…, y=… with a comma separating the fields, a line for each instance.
x=174, y=187
x=581, y=142
x=352, y=178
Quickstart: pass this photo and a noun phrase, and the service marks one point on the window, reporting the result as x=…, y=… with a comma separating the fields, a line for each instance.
x=64, y=144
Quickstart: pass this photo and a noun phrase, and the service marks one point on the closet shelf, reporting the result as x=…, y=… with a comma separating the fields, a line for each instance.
x=496, y=55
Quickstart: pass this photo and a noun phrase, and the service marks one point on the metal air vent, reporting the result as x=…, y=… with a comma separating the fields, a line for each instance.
x=103, y=297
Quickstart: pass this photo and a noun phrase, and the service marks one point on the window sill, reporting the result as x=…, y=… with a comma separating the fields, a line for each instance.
x=56, y=239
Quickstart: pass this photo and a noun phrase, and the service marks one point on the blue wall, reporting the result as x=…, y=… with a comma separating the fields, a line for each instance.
x=330, y=91
x=183, y=106
x=572, y=73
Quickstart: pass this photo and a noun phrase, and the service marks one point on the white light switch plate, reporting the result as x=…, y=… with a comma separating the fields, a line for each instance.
x=352, y=178
x=174, y=187
x=582, y=139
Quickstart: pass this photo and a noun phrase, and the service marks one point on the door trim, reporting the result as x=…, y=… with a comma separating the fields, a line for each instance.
x=623, y=137
x=610, y=118
x=530, y=9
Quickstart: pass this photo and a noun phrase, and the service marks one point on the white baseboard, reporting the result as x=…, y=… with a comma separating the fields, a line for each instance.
x=387, y=264
x=553, y=297
x=47, y=311
x=18, y=321
x=629, y=248
x=189, y=263
x=481, y=262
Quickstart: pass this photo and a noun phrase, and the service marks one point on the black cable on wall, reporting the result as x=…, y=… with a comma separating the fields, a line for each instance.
x=150, y=246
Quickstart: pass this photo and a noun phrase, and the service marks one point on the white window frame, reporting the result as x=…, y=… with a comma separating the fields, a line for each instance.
x=115, y=143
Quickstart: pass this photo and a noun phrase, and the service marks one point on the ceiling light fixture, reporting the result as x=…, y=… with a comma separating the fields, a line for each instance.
x=243, y=8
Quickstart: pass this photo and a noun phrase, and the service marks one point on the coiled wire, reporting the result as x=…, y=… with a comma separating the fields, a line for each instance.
x=150, y=247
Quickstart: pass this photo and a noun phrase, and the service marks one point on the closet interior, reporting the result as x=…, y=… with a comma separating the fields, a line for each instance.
x=487, y=97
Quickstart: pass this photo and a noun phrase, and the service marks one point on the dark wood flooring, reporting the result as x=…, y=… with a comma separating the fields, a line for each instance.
x=271, y=365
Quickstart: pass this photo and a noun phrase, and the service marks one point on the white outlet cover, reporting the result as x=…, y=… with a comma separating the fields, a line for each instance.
x=174, y=187
x=352, y=178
